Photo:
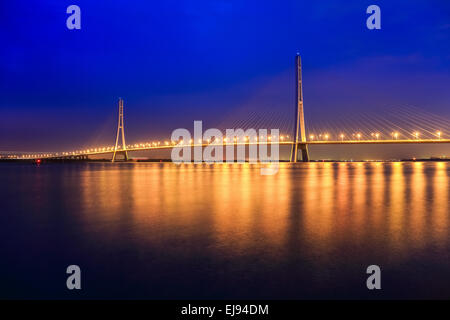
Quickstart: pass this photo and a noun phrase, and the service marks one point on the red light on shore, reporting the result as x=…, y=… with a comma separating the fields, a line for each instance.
x=38, y=161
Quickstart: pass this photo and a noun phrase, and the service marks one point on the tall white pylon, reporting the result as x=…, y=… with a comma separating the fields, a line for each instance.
x=120, y=128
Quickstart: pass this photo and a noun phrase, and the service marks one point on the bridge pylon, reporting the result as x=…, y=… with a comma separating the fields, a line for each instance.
x=299, y=116
x=120, y=129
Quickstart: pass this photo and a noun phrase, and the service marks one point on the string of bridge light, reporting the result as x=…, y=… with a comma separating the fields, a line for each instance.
x=159, y=144
x=374, y=136
x=225, y=141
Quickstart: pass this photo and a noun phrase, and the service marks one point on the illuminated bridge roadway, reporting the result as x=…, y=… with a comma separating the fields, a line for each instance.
x=84, y=154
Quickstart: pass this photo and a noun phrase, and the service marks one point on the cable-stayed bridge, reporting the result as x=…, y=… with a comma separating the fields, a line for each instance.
x=372, y=130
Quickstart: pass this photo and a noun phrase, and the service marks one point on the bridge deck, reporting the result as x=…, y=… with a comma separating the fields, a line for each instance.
x=101, y=151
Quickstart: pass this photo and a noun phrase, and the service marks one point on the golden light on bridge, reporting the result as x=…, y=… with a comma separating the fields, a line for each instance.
x=321, y=138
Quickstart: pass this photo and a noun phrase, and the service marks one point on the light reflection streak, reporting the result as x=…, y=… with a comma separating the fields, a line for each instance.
x=322, y=207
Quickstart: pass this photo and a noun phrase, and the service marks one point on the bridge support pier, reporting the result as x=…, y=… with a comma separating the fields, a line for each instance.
x=123, y=153
x=303, y=148
x=305, y=154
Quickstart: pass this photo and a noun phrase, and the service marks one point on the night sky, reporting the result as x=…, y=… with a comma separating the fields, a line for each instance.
x=178, y=61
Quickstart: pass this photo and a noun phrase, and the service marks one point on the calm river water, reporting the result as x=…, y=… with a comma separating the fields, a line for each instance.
x=158, y=230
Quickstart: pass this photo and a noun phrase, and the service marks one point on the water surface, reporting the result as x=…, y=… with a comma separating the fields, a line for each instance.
x=162, y=231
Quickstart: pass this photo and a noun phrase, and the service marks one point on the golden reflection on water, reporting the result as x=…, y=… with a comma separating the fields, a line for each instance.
x=416, y=206
x=376, y=193
x=440, y=208
x=399, y=207
x=396, y=214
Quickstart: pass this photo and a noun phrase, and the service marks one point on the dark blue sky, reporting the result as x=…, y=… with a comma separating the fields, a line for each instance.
x=178, y=61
